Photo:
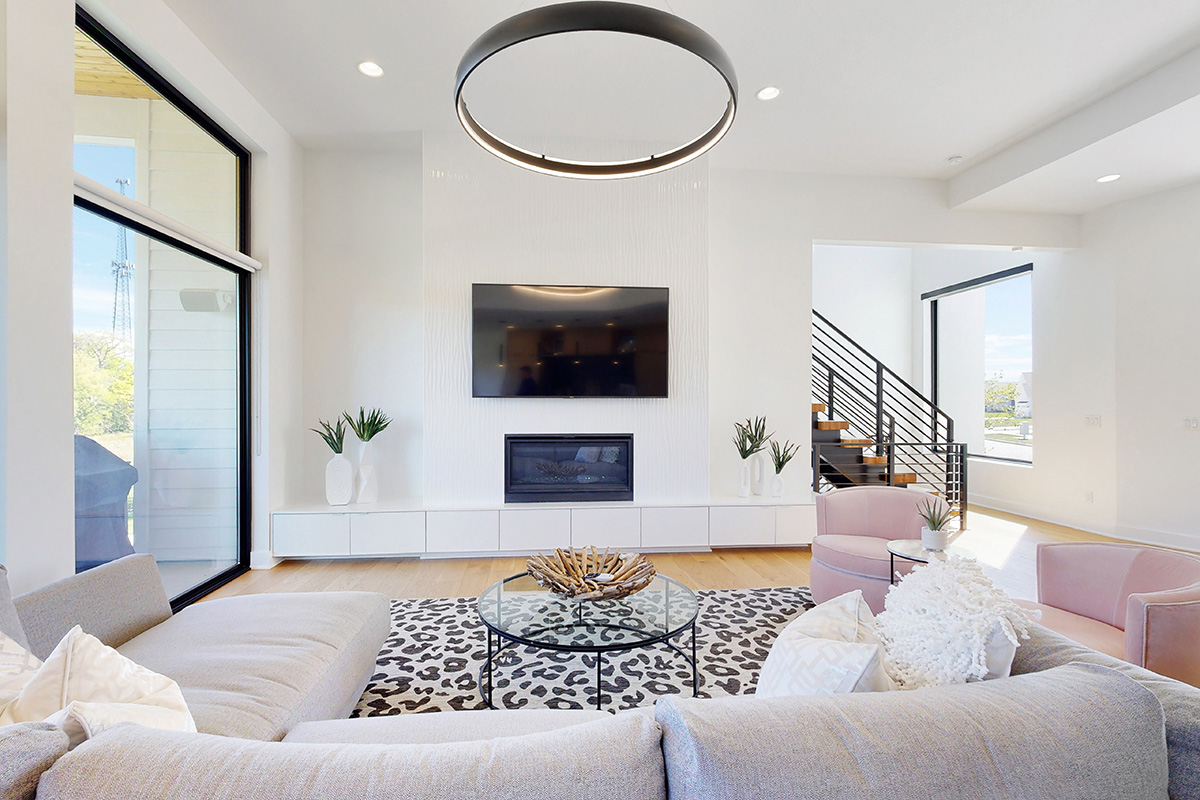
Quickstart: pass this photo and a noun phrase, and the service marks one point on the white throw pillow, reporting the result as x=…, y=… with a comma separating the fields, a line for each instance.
x=830, y=649
x=86, y=687
x=17, y=667
x=947, y=623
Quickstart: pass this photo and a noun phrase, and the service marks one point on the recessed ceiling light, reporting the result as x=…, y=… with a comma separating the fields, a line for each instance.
x=370, y=69
x=768, y=93
x=1108, y=178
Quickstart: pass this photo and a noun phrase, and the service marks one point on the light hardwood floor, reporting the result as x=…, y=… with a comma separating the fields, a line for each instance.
x=1003, y=543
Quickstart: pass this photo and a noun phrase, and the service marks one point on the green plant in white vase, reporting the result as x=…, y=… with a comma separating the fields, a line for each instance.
x=366, y=427
x=339, y=472
x=935, y=535
x=750, y=437
x=780, y=456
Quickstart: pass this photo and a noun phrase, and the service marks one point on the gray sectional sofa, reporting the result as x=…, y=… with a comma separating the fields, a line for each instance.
x=1070, y=723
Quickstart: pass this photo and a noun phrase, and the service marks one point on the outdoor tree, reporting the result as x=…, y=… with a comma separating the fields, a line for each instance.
x=999, y=396
x=103, y=384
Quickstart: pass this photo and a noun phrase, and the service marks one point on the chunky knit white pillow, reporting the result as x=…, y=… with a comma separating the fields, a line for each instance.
x=946, y=622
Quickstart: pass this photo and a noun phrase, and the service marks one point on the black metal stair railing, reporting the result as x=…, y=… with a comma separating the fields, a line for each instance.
x=887, y=416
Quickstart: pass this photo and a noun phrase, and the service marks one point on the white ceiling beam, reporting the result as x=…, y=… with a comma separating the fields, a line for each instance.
x=1164, y=88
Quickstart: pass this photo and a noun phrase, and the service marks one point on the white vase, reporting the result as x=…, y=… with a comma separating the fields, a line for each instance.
x=744, y=478
x=934, y=540
x=368, y=482
x=758, y=474
x=777, y=485
x=339, y=480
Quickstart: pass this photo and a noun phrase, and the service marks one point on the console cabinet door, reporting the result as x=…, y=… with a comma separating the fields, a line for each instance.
x=313, y=535
x=606, y=527
x=741, y=525
x=795, y=524
x=387, y=533
x=666, y=528
x=529, y=530
x=462, y=531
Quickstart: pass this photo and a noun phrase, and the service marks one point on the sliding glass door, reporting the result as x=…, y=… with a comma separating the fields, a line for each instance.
x=161, y=327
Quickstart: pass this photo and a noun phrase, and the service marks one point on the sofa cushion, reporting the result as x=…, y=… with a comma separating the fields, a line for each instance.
x=1097, y=635
x=26, y=751
x=1035, y=737
x=442, y=727
x=113, y=602
x=1045, y=649
x=861, y=555
x=10, y=623
x=256, y=666
x=618, y=757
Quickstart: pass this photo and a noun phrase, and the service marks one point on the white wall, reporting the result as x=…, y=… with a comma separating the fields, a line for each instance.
x=489, y=222
x=867, y=293
x=38, y=446
x=363, y=301
x=1150, y=250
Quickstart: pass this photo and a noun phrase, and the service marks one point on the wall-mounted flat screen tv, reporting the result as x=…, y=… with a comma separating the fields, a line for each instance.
x=568, y=341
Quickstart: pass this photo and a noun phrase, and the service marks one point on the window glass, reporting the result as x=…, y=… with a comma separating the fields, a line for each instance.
x=985, y=367
x=178, y=167
x=157, y=374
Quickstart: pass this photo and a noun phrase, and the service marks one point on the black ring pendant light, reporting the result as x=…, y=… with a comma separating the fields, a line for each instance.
x=595, y=15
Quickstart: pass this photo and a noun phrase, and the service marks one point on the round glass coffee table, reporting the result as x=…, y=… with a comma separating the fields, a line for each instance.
x=518, y=612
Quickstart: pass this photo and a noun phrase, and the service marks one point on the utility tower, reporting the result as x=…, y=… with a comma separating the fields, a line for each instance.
x=122, y=270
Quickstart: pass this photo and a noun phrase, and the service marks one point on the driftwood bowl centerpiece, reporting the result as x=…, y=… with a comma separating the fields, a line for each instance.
x=589, y=574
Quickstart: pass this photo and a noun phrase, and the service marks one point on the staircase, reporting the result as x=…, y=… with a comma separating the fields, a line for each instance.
x=871, y=427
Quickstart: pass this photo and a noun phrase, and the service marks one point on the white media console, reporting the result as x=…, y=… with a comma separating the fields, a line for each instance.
x=322, y=531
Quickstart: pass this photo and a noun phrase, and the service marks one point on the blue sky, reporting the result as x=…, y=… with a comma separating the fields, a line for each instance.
x=1008, y=328
x=96, y=238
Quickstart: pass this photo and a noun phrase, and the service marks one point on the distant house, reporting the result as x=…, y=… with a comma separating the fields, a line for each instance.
x=1024, y=405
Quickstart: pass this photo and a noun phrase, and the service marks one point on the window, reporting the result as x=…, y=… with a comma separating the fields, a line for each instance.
x=983, y=362
x=161, y=316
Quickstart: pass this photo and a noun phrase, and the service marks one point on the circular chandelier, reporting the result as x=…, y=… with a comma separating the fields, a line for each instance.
x=596, y=15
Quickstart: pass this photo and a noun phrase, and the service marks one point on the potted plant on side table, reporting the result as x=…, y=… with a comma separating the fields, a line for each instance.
x=937, y=516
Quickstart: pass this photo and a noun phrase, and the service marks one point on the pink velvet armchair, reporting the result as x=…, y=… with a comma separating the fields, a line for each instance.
x=1130, y=601
x=854, y=526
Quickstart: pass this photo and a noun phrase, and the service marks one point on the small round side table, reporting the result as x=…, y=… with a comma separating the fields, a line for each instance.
x=910, y=550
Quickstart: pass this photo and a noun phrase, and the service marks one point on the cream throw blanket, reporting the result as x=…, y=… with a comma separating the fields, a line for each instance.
x=85, y=687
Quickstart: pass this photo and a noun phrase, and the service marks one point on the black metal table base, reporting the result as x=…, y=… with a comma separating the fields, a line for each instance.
x=500, y=646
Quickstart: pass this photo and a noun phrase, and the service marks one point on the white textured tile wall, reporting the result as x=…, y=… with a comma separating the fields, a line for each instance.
x=489, y=222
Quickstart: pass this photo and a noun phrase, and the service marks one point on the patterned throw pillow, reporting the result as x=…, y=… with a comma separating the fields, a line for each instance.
x=830, y=649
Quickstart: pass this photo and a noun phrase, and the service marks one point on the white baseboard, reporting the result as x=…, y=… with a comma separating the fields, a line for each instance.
x=1172, y=539
x=1040, y=514
x=262, y=559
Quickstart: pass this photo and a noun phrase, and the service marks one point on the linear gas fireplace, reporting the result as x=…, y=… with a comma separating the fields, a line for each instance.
x=568, y=467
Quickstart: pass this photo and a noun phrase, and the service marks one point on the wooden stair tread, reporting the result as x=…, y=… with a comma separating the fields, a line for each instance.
x=874, y=460
x=904, y=477
x=818, y=408
x=831, y=425
x=857, y=443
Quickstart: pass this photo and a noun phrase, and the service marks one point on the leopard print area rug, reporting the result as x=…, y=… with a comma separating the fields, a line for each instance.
x=431, y=659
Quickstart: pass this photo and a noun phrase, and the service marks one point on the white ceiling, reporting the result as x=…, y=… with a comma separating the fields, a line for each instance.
x=868, y=87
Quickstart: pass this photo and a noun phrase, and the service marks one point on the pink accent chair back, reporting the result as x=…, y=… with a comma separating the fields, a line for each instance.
x=1150, y=593
x=885, y=512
